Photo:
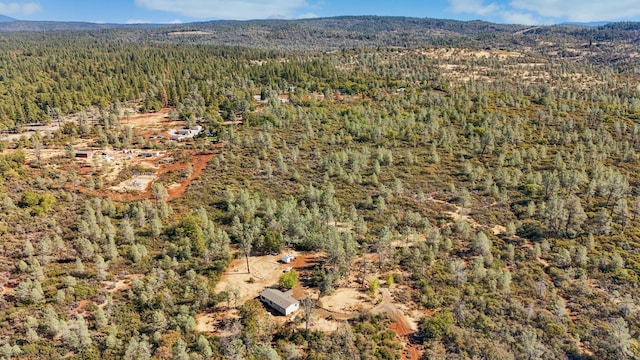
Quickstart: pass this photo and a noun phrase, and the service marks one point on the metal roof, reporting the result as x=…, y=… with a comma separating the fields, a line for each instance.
x=277, y=297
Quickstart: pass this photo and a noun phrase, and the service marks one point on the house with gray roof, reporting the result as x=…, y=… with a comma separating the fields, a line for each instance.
x=280, y=301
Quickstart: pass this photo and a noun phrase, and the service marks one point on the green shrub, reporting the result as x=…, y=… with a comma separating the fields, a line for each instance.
x=289, y=279
x=437, y=325
x=39, y=204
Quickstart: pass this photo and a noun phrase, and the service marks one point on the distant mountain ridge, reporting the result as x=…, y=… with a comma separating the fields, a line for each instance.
x=22, y=25
x=600, y=43
x=4, y=18
x=355, y=23
x=593, y=23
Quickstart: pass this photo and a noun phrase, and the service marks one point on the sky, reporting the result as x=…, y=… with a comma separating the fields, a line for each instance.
x=528, y=12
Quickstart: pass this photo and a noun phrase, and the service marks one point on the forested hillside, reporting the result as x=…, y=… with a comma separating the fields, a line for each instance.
x=484, y=176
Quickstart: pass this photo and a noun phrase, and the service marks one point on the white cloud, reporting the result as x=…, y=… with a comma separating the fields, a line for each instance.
x=581, y=10
x=226, y=9
x=513, y=17
x=547, y=11
x=175, y=21
x=15, y=8
x=138, y=21
x=472, y=7
x=492, y=11
x=307, y=16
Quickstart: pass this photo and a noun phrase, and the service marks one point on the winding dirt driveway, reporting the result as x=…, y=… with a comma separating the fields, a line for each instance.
x=401, y=325
x=387, y=306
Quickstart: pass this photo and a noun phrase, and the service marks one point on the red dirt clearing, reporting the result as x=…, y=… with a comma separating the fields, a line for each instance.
x=148, y=124
x=412, y=349
x=199, y=163
x=303, y=261
x=400, y=328
x=400, y=324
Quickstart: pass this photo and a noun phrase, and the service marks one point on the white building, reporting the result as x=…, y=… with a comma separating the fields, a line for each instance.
x=280, y=301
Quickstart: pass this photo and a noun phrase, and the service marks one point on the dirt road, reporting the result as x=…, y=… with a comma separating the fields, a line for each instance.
x=387, y=306
x=401, y=325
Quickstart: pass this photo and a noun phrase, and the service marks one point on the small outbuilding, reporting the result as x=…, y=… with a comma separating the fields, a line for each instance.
x=280, y=301
x=83, y=154
x=287, y=259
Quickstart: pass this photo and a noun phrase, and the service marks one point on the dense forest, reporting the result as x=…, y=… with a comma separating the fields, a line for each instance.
x=490, y=173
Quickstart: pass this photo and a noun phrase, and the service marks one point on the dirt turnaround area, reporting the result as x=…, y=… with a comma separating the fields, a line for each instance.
x=348, y=300
x=265, y=272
